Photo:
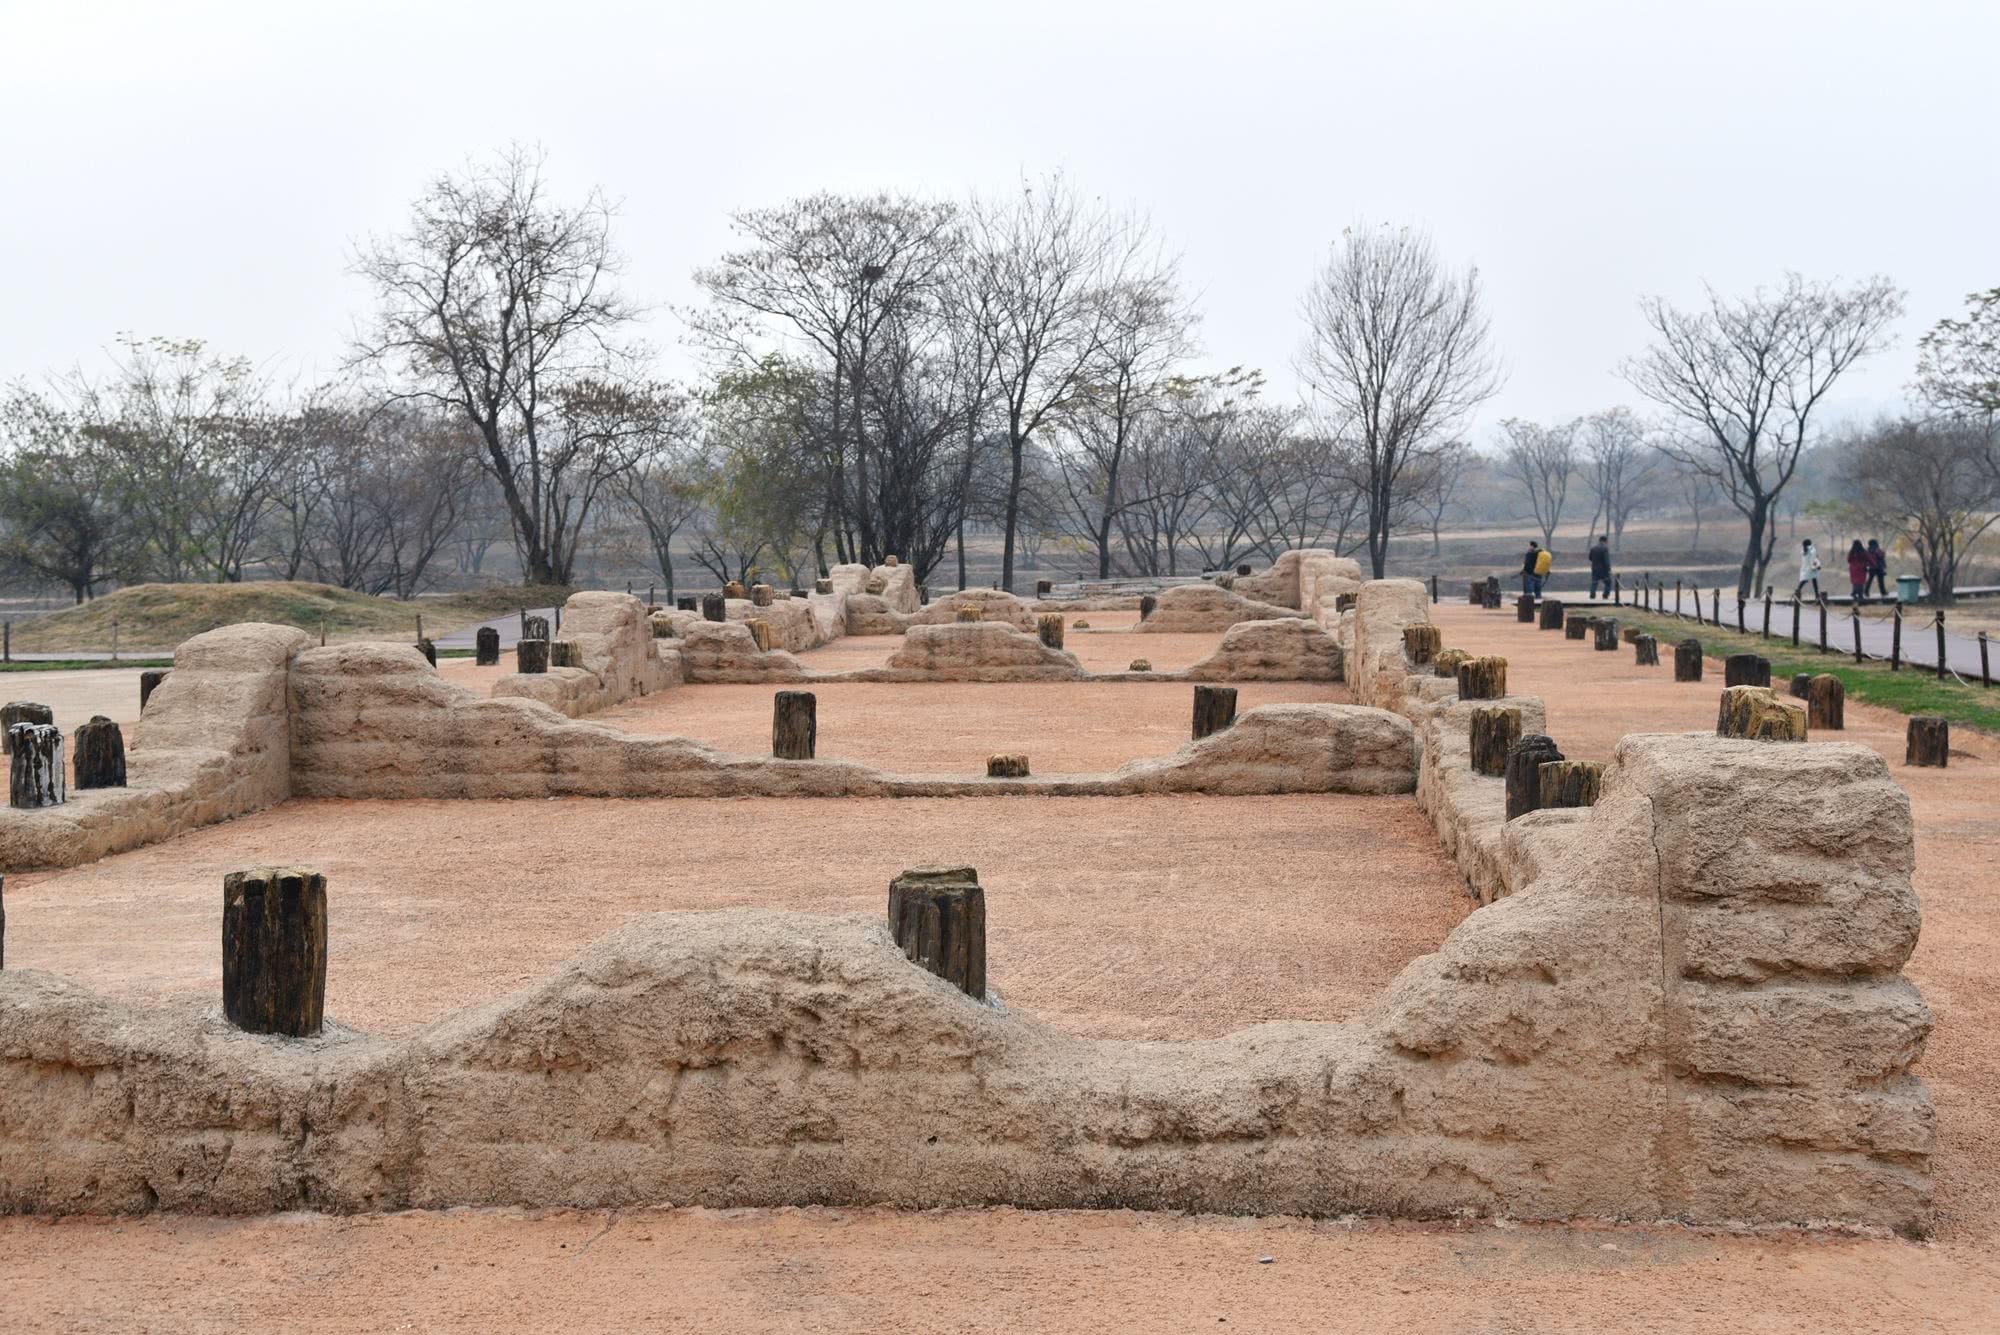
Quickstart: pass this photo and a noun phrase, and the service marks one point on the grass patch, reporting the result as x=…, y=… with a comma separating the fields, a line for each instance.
x=157, y=617
x=76, y=664
x=1914, y=690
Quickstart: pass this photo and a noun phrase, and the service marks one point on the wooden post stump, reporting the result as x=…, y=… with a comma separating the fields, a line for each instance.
x=1552, y=614
x=1607, y=633
x=1576, y=628
x=1826, y=702
x=1148, y=604
x=1476, y=594
x=760, y=595
x=971, y=614
x=1568, y=783
x=563, y=653
x=1746, y=670
x=274, y=950
x=734, y=589
x=534, y=628
x=891, y=561
x=1645, y=651
x=531, y=657
x=149, y=681
x=1801, y=681
x=1445, y=662
x=714, y=607
x=1629, y=634
x=1493, y=592
x=822, y=586
x=1049, y=629
x=100, y=754
x=1482, y=679
x=1758, y=713
x=1928, y=741
x=1525, y=759
x=429, y=649
x=20, y=711
x=1242, y=570
x=1043, y=588
x=486, y=647
x=1006, y=767
x=1140, y=665
x=689, y=603
x=938, y=916
x=1524, y=608
x=1214, y=709
x=1344, y=602
x=1687, y=660
x=794, y=725
x=36, y=775
x=1421, y=643
x=1495, y=729
x=760, y=633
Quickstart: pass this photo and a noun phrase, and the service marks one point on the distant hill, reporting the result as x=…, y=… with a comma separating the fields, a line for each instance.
x=159, y=616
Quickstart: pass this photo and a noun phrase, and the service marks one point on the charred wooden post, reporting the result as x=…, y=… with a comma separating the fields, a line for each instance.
x=1568, y=783
x=149, y=681
x=1148, y=604
x=971, y=614
x=1826, y=702
x=100, y=754
x=1645, y=651
x=1445, y=662
x=1243, y=570
x=735, y=589
x=760, y=633
x=1006, y=767
x=1214, y=709
x=1495, y=729
x=1524, y=608
x=1421, y=642
x=822, y=586
x=1629, y=634
x=1140, y=665
x=1476, y=594
x=36, y=774
x=714, y=607
x=1746, y=670
x=760, y=595
x=1525, y=759
x=689, y=603
x=1577, y=627
x=531, y=657
x=1607, y=633
x=486, y=647
x=938, y=916
x=1049, y=629
x=794, y=725
x=1493, y=592
x=1043, y=588
x=564, y=653
x=1687, y=660
x=1482, y=678
x=534, y=628
x=20, y=711
x=1759, y=713
x=274, y=950
x=1928, y=741
x=1552, y=614
x=429, y=649
x=1801, y=682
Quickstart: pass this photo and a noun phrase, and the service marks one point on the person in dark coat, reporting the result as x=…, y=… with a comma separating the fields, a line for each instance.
x=1878, y=567
x=1600, y=565
x=1857, y=571
x=1528, y=567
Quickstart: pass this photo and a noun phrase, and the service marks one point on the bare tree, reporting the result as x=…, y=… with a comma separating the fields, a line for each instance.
x=1541, y=460
x=1928, y=480
x=499, y=303
x=1746, y=375
x=1621, y=467
x=1696, y=489
x=1395, y=358
x=1432, y=493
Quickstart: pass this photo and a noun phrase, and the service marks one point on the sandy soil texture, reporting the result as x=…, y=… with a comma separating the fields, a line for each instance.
x=1145, y=917
x=77, y=694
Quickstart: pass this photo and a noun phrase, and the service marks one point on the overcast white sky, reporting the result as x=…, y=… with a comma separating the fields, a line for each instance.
x=205, y=168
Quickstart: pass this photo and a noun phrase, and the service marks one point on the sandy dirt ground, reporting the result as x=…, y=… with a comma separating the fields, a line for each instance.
x=881, y=1270
x=78, y=694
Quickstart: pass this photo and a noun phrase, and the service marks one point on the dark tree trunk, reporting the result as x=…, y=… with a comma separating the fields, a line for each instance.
x=794, y=725
x=938, y=916
x=274, y=950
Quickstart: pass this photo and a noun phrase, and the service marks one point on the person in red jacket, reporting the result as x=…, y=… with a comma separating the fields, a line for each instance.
x=1857, y=570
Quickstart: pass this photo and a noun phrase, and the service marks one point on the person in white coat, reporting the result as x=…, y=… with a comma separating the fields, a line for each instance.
x=1808, y=570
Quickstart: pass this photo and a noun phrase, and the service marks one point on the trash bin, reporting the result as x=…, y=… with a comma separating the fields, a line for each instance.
x=1909, y=588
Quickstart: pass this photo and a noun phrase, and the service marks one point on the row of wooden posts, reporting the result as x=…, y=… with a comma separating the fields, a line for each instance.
x=38, y=771
x=1927, y=737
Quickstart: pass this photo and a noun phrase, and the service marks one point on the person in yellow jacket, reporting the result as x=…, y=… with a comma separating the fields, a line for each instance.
x=1544, y=561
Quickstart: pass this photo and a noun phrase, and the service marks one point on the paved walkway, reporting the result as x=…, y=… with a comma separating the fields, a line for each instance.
x=509, y=627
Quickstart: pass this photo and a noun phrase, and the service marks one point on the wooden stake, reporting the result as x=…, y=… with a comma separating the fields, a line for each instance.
x=1746, y=670
x=100, y=754
x=274, y=950
x=1524, y=608
x=1049, y=629
x=149, y=681
x=1525, y=759
x=1421, y=642
x=1928, y=741
x=1757, y=713
x=1576, y=627
x=1482, y=679
x=1826, y=702
x=938, y=916
x=794, y=725
x=36, y=775
x=1006, y=767
x=486, y=647
x=1495, y=729
x=760, y=633
x=1645, y=650
x=1445, y=662
x=1552, y=614
x=1607, y=633
x=1214, y=709
x=1569, y=783
x=531, y=657
x=1687, y=660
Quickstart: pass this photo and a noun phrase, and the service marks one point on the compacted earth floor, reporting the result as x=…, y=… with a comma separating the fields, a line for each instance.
x=1197, y=885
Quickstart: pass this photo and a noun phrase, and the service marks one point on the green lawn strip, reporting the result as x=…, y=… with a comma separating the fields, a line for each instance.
x=77, y=664
x=1913, y=690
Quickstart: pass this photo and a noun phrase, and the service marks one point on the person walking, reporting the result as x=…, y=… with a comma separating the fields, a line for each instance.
x=1878, y=567
x=1545, y=561
x=1600, y=565
x=1528, y=569
x=1808, y=570
x=1857, y=571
